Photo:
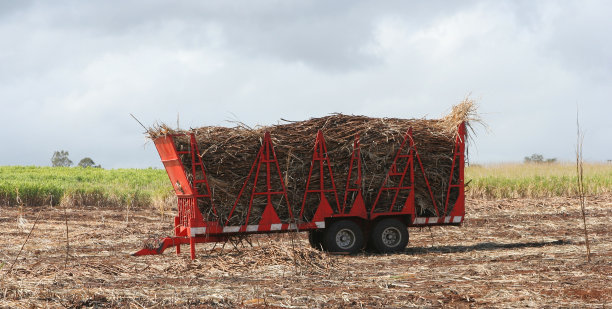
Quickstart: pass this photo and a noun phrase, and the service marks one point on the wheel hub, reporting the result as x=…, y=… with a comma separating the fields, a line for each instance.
x=345, y=238
x=391, y=237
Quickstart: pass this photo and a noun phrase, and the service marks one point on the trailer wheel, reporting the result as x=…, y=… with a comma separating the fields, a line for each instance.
x=389, y=235
x=315, y=238
x=343, y=236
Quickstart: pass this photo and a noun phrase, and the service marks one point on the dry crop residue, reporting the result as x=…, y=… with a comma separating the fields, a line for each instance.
x=509, y=253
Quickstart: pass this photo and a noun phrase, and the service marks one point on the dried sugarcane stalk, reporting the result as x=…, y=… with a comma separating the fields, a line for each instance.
x=228, y=154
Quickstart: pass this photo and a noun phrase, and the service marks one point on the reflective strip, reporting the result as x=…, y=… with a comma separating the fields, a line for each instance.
x=231, y=229
x=252, y=228
x=447, y=219
x=433, y=220
x=457, y=219
x=255, y=228
x=197, y=230
x=420, y=220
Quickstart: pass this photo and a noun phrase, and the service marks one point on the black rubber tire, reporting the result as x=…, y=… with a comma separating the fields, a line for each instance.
x=315, y=239
x=389, y=235
x=343, y=237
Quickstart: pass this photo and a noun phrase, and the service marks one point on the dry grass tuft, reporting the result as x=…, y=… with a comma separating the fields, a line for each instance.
x=466, y=111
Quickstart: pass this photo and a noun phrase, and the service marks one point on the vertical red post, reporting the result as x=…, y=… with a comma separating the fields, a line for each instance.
x=458, y=211
x=459, y=208
x=452, y=173
x=267, y=158
x=192, y=247
x=177, y=222
x=463, y=135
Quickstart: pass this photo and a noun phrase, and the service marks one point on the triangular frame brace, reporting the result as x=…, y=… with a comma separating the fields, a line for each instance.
x=266, y=158
x=320, y=160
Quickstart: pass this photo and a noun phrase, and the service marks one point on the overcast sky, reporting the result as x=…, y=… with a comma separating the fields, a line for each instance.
x=73, y=71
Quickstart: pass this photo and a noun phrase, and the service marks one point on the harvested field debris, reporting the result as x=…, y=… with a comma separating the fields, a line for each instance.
x=509, y=253
x=228, y=155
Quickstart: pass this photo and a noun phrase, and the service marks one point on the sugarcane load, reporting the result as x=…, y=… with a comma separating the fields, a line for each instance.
x=350, y=181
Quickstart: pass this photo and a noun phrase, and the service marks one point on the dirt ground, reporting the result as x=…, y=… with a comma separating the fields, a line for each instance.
x=509, y=253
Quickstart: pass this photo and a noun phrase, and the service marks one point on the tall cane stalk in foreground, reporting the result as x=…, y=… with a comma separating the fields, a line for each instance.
x=580, y=184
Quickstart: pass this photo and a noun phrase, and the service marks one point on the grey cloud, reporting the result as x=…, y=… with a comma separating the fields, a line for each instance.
x=326, y=35
x=73, y=70
x=581, y=39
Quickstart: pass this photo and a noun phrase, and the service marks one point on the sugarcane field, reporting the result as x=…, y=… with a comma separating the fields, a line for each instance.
x=305, y=154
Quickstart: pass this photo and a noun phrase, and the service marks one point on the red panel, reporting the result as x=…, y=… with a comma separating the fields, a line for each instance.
x=459, y=208
x=409, y=205
x=172, y=163
x=359, y=209
x=269, y=216
x=323, y=211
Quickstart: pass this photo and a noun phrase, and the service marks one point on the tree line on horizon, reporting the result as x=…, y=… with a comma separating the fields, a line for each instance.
x=60, y=159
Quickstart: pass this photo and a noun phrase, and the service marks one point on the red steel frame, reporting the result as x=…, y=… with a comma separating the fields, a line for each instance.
x=267, y=156
x=319, y=161
x=358, y=209
x=393, y=172
x=191, y=227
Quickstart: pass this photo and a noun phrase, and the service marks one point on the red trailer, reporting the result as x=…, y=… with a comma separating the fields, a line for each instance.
x=344, y=225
